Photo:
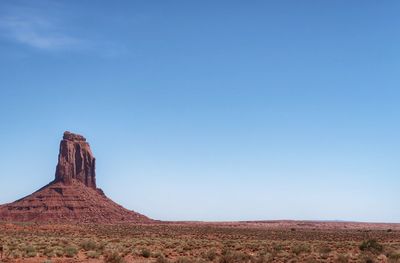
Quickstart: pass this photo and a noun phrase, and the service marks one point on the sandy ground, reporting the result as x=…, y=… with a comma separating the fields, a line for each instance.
x=261, y=241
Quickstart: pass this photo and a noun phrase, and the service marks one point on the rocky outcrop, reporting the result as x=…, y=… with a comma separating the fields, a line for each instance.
x=73, y=195
x=76, y=161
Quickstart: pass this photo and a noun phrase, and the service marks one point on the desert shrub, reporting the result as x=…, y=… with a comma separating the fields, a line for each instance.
x=145, y=253
x=49, y=252
x=278, y=248
x=210, y=254
x=325, y=250
x=161, y=259
x=158, y=254
x=341, y=258
x=183, y=260
x=366, y=258
x=31, y=254
x=225, y=251
x=113, y=257
x=233, y=257
x=394, y=257
x=29, y=248
x=70, y=251
x=301, y=248
x=88, y=245
x=372, y=246
x=15, y=254
x=265, y=258
x=93, y=254
x=64, y=241
x=41, y=245
x=58, y=251
x=187, y=247
x=101, y=246
x=30, y=251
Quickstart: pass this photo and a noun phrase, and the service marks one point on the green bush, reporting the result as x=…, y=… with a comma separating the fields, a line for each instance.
x=145, y=253
x=30, y=251
x=301, y=248
x=88, y=245
x=70, y=251
x=278, y=248
x=372, y=246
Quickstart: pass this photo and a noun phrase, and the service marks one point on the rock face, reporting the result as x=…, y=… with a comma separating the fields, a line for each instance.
x=76, y=161
x=73, y=195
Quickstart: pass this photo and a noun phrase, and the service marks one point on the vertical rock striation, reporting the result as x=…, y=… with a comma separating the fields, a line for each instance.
x=76, y=161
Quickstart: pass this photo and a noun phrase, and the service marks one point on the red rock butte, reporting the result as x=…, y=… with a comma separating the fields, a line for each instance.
x=73, y=195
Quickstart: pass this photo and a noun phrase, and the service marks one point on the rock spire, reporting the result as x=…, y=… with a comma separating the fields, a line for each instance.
x=73, y=196
x=76, y=161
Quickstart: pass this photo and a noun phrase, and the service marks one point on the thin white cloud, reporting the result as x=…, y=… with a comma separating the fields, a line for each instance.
x=36, y=32
x=42, y=26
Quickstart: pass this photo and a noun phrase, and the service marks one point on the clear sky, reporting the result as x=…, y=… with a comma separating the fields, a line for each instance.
x=209, y=110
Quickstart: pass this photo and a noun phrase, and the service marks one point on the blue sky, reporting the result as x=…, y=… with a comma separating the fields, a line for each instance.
x=209, y=110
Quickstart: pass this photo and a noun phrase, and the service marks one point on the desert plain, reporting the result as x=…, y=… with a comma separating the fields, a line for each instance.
x=257, y=241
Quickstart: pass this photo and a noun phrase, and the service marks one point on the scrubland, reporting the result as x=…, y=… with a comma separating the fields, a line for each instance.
x=199, y=242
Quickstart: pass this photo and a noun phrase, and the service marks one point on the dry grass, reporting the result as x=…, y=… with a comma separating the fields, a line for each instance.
x=186, y=243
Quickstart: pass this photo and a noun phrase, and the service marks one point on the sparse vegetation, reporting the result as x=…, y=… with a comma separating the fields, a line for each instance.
x=145, y=253
x=187, y=243
x=70, y=251
x=30, y=251
x=394, y=256
x=366, y=258
x=325, y=250
x=372, y=246
x=301, y=248
x=211, y=254
x=93, y=254
x=88, y=244
x=342, y=258
x=113, y=257
x=161, y=259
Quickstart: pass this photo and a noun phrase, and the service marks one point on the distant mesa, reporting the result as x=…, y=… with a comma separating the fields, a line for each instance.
x=73, y=196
